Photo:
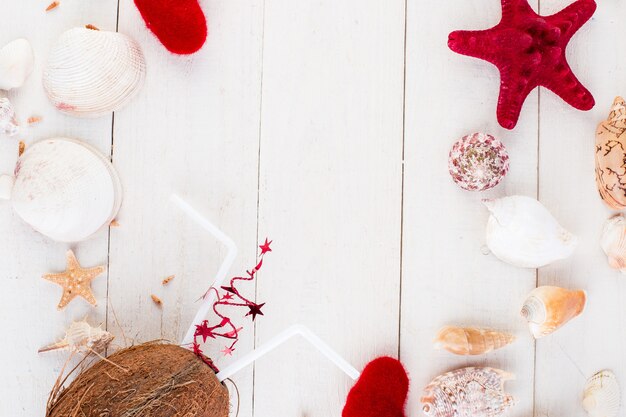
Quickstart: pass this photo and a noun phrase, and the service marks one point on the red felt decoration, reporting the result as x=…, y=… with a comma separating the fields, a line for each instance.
x=529, y=51
x=180, y=25
x=381, y=391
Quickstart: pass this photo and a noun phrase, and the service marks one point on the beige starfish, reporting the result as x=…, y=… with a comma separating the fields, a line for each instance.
x=75, y=281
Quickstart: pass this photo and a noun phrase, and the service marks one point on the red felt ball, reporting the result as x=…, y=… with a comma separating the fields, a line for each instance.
x=381, y=391
x=180, y=25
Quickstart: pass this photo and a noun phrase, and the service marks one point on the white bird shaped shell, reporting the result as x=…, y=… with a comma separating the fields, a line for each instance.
x=523, y=233
x=613, y=242
x=16, y=64
x=468, y=392
x=64, y=189
x=602, y=396
x=548, y=308
x=92, y=73
x=80, y=337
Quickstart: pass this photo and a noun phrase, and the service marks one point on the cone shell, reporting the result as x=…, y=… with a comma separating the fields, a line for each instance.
x=478, y=162
x=91, y=73
x=523, y=233
x=613, y=242
x=81, y=336
x=65, y=189
x=471, y=340
x=16, y=64
x=548, y=308
x=602, y=396
x=610, y=157
x=468, y=392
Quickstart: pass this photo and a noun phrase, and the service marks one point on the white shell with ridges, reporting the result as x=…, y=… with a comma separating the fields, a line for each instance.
x=91, y=73
x=16, y=64
x=523, y=233
x=602, y=395
x=82, y=337
x=613, y=242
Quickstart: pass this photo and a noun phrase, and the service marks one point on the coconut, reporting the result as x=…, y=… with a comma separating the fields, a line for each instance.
x=153, y=379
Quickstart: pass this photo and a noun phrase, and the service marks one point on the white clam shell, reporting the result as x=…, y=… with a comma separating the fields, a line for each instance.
x=602, y=396
x=523, y=233
x=16, y=64
x=613, y=242
x=92, y=73
x=65, y=189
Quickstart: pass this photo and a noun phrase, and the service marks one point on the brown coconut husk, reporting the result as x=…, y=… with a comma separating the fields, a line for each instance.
x=153, y=379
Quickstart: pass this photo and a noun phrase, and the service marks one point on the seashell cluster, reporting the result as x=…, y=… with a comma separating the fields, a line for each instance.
x=64, y=189
x=478, y=162
x=523, y=233
x=471, y=340
x=548, y=308
x=610, y=157
x=602, y=395
x=16, y=64
x=613, y=242
x=81, y=337
x=92, y=73
x=468, y=392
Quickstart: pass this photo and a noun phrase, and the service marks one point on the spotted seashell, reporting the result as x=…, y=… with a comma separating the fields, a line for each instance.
x=468, y=392
x=610, y=157
x=478, y=162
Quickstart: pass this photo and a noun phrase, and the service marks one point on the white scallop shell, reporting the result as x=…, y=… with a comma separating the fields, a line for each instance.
x=92, y=73
x=16, y=64
x=81, y=336
x=523, y=233
x=65, y=189
x=602, y=395
x=613, y=242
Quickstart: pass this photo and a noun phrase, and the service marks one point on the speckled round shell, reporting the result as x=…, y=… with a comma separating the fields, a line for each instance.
x=478, y=162
x=92, y=73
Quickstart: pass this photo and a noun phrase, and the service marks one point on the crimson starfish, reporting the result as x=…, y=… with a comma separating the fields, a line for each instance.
x=529, y=51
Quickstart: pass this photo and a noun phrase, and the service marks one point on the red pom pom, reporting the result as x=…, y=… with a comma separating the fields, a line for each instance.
x=180, y=25
x=381, y=391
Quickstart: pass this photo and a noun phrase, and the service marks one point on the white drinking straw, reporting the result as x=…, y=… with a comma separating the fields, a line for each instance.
x=208, y=301
x=281, y=338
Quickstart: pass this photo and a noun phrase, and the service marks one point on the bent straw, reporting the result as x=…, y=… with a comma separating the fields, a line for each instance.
x=209, y=299
x=283, y=337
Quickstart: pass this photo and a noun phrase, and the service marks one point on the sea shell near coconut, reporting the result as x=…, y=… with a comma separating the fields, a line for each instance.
x=610, y=154
x=468, y=392
x=523, y=233
x=613, y=242
x=82, y=337
x=548, y=308
x=92, y=73
x=64, y=189
x=478, y=162
x=602, y=395
x=471, y=340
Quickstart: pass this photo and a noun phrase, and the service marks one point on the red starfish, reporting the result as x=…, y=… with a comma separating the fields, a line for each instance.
x=529, y=51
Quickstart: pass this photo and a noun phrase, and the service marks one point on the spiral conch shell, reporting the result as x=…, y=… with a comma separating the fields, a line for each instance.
x=471, y=340
x=602, y=395
x=92, y=73
x=523, y=233
x=613, y=242
x=64, y=189
x=548, y=308
x=610, y=157
x=82, y=337
x=468, y=392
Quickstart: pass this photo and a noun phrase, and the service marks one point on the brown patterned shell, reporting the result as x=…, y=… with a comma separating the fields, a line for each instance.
x=471, y=340
x=611, y=157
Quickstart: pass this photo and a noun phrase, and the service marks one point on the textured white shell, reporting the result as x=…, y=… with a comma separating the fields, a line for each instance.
x=65, y=189
x=523, y=233
x=8, y=121
x=81, y=336
x=613, y=242
x=602, y=396
x=16, y=64
x=91, y=73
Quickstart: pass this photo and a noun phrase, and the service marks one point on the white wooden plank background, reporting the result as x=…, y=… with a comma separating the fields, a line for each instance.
x=325, y=126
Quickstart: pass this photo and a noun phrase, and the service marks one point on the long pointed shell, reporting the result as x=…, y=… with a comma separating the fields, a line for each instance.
x=602, y=395
x=65, y=189
x=471, y=340
x=613, y=242
x=81, y=336
x=548, y=308
x=610, y=157
x=468, y=392
x=523, y=233
x=91, y=73
x=16, y=64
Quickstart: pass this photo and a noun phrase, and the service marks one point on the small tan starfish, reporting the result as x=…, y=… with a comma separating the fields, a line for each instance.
x=75, y=281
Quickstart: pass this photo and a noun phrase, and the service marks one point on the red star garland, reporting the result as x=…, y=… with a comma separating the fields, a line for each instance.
x=230, y=296
x=529, y=51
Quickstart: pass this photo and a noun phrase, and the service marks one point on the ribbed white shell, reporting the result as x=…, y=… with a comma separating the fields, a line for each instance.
x=16, y=64
x=602, y=395
x=613, y=242
x=92, y=73
x=65, y=189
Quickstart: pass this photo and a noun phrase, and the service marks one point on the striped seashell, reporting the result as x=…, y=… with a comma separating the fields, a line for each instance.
x=602, y=395
x=92, y=73
x=549, y=308
x=471, y=340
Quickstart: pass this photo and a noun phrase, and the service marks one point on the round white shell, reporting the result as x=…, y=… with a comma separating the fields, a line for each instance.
x=602, y=396
x=65, y=189
x=92, y=73
x=16, y=64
